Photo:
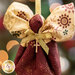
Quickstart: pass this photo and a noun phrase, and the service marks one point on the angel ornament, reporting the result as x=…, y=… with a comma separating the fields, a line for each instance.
x=38, y=52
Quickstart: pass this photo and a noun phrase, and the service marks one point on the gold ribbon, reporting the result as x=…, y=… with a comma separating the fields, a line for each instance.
x=40, y=37
x=38, y=7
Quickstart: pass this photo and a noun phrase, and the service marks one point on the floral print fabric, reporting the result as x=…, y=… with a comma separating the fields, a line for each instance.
x=61, y=21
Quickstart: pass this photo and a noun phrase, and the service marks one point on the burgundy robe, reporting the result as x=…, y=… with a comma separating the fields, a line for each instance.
x=28, y=62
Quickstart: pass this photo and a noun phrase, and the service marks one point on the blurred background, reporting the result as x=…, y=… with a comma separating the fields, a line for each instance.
x=9, y=44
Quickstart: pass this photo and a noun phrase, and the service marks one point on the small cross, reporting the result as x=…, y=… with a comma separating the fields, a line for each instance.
x=36, y=45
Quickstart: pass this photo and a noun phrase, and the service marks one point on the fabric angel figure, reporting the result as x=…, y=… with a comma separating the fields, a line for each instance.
x=38, y=52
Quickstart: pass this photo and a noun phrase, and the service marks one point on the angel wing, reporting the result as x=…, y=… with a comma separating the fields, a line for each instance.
x=60, y=23
x=16, y=19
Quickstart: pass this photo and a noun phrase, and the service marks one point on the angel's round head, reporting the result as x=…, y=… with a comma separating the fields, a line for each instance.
x=36, y=23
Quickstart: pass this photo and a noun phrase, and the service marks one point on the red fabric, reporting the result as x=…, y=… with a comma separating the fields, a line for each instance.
x=28, y=62
x=35, y=23
x=1, y=23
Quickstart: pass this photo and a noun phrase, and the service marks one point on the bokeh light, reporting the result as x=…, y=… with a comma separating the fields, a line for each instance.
x=53, y=6
x=65, y=65
x=72, y=53
x=11, y=44
x=0, y=64
x=0, y=74
x=3, y=56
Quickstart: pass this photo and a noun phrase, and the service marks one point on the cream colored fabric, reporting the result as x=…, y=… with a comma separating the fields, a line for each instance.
x=14, y=23
x=60, y=23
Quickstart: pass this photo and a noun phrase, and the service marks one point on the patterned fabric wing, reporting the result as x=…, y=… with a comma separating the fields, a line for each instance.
x=61, y=22
x=16, y=19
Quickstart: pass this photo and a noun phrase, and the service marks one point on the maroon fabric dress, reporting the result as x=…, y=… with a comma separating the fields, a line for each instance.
x=28, y=62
